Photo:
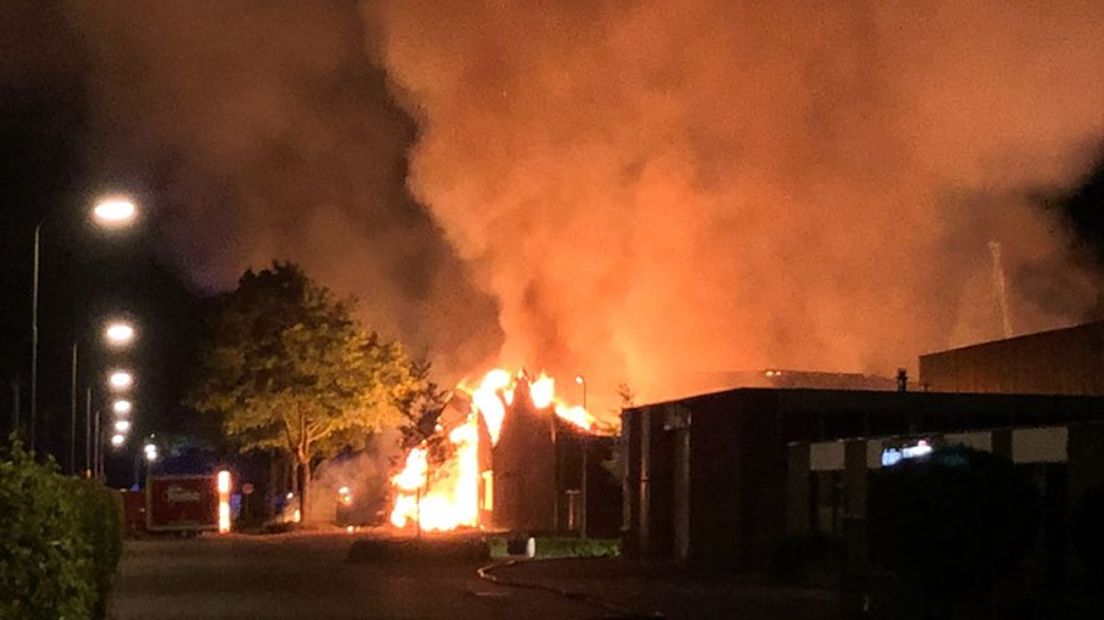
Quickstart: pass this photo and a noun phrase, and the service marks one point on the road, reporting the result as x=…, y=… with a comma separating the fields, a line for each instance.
x=306, y=577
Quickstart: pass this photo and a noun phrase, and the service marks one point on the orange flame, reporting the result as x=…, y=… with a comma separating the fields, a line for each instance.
x=448, y=497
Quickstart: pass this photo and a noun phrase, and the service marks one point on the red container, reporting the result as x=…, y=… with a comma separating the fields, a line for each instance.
x=182, y=503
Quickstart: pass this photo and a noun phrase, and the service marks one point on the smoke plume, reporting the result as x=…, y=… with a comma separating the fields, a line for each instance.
x=261, y=130
x=651, y=188
x=635, y=190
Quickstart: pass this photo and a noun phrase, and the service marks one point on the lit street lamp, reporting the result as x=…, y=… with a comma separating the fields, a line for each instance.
x=117, y=440
x=121, y=407
x=116, y=334
x=122, y=426
x=150, y=451
x=581, y=381
x=113, y=212
x=119, y=333
x=120, y=380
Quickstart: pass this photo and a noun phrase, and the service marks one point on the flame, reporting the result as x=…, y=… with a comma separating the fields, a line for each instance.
x=448, y=497
x=542, y=391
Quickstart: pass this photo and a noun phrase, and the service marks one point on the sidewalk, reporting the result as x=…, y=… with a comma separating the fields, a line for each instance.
x=667, y=593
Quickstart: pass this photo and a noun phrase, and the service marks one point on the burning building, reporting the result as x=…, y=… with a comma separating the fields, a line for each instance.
x=508, y=455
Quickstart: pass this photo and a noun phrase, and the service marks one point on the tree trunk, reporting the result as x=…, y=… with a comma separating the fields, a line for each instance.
x=304, y=488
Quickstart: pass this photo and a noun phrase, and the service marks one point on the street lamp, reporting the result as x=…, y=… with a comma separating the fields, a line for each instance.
x=110, y=212
x=580, y=380
x=150, y=451
x=119, y=333
x=122, y=426
x=117, y=441
x=114, y=211
x=116, y=334
x=120, y=380
x=121, y=407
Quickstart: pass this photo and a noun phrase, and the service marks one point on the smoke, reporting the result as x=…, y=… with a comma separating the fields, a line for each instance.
x=634, y=190
x=261, y=130
x=650, y=188
x=366, y=476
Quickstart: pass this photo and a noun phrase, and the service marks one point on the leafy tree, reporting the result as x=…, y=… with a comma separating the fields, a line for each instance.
x=290, y=368
x=420, y=403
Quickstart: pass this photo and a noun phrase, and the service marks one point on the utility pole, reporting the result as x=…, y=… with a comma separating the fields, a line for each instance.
x=88, y=432
x=15, y=407
x=34, y=336
x=581, y=380
x=73, y=414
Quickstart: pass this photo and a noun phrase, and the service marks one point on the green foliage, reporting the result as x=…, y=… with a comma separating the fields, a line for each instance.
x=100, y=514
x=563, y=547
x=958, y=521
x=289, y=367
x=60, y=542
x=420, y=402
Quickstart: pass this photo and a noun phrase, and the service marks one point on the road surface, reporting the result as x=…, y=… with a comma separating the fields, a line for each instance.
x=306, y=577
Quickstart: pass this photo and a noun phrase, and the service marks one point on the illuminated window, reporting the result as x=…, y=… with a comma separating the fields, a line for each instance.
x=488, y=490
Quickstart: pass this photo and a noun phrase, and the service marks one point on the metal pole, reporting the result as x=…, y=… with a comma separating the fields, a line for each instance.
x=586, y=463
x=88, y=432
x=34, y=337
x=137, y=468
x=73, y=414
x=96, y=450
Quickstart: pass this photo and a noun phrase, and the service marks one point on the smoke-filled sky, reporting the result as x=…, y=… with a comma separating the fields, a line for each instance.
x=637, y=190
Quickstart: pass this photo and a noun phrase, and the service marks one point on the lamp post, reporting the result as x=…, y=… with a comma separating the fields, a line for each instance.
x=150, y=451
x=112, y=212
x=581, y=381
x=116, y=334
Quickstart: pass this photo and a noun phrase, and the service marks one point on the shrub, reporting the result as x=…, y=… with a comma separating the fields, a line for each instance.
x=45, y=559
x=958, y=521
x=60, y=542
x=100, y=511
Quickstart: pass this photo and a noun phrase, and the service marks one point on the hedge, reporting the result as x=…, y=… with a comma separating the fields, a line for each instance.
x=59, y=543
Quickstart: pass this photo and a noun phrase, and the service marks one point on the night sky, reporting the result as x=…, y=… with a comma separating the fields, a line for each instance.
x=54, y=162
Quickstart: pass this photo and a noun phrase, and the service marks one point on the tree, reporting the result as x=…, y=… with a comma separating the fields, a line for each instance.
x=289, y=367
x=420, y=402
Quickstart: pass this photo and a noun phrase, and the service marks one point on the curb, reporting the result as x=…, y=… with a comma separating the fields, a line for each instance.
x=485, y=573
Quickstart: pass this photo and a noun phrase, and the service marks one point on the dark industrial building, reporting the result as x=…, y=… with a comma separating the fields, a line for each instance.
x=1061, y=361
x=704, y=382
x=827, y=488
x=715, y=478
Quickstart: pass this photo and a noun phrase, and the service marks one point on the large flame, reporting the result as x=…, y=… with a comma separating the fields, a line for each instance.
x=446, y=496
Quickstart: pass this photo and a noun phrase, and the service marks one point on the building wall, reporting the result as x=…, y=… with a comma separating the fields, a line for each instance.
x=525, y=471
x=1063, y=361
x=708, y=477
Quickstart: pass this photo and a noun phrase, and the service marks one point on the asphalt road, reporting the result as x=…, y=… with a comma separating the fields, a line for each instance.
x=306, y=577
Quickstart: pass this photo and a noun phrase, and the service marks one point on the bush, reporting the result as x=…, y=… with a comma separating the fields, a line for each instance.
x=59, y=543
x=958, y=522
x=100, y=512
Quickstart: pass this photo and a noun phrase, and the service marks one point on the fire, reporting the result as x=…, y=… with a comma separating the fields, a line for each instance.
x=448, y=496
